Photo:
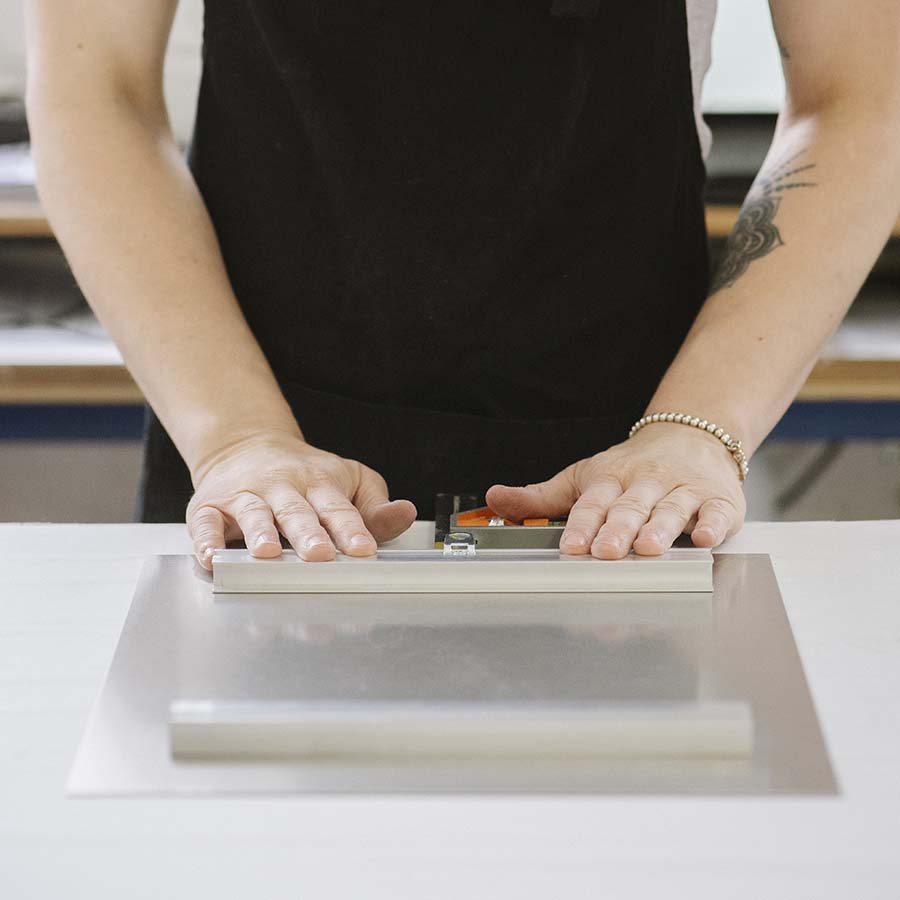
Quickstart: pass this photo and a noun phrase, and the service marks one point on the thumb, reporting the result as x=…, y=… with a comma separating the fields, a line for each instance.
x=546, y=499
x=384, y=518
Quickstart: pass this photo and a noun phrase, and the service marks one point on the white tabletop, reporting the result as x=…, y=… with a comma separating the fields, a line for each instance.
x=64, y=593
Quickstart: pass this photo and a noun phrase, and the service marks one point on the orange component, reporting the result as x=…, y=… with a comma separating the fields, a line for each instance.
x=470, y=515
x=535, y=521
x=479, y=517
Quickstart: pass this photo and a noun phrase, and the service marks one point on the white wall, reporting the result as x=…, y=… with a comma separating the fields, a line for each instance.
x=745, y=76
x=12, y=52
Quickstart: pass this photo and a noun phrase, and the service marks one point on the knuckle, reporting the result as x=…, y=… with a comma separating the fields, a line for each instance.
x=584, y=469
x=591, y=473
x=330, y=470
x=369, y=474
x=272, y=478
x=601, y=486
x=317, y=477
x=630, y=504
x=304, y=536
x=587, y=505
x=293, y=509
x=720, y=506
x=206, y=536
x=336, y=509
x=203, y=539
x=654, y=474
x=674, y=507
x=250, y=504
x=608, y=481
x=202, y=517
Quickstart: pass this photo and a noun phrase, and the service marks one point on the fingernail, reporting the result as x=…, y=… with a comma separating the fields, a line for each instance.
x=573, y=540
x=360, y=540
x=314, y=541
x=262, y=540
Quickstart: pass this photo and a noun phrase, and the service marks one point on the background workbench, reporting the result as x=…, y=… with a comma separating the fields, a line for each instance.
x=848, y=371
x=65, y=593
x=71, y=416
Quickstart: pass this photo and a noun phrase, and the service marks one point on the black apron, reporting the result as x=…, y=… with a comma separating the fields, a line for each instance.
x=468, y=236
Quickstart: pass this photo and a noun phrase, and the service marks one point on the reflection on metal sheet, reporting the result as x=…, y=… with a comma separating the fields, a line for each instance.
x=184, y=645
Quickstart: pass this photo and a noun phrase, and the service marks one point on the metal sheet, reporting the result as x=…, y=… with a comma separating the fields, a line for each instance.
x=182, y=642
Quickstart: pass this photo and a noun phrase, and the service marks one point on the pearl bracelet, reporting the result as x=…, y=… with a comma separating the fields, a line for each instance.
x=731, y=445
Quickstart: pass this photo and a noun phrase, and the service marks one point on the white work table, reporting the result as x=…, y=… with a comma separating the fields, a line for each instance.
x=64, y=593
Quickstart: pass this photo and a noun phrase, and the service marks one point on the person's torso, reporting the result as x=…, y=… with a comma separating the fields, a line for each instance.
x=482, y=207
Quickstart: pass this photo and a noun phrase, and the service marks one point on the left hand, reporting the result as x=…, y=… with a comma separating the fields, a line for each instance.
x=641, y=494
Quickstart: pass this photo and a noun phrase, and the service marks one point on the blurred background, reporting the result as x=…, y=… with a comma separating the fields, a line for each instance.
x=71, y=418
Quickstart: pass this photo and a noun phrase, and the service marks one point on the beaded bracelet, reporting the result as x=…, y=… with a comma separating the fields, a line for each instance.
x=731, y=445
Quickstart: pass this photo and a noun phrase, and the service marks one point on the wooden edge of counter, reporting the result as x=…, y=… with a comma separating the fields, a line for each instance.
x=23, y=219
x=77, y=385
x=869, y=380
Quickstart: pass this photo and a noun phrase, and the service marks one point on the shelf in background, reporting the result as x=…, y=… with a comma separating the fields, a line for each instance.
x=831, y=379
x=23, y=219
x=89, y=385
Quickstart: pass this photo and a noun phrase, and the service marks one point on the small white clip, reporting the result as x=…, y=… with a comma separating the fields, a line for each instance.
x=459, y=544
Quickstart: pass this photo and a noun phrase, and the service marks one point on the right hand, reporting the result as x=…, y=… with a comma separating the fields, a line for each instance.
x=275, y=482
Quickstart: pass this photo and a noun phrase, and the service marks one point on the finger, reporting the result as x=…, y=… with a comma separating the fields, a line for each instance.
x=716, y=520
x=550, y=498
x=254, y=517
x=588, y=513
x=625, y=517
x=206, y=526
x=341, y=520
x=298, y=522
x=384, y=518
x=669, y=518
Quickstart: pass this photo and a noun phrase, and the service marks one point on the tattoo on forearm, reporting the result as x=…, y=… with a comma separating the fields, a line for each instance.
x=755, y=234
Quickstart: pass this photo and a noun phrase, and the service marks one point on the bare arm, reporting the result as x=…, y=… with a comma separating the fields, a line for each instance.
x=810, y=230
x=138, y=236
x=135, y=230
x=811, y=227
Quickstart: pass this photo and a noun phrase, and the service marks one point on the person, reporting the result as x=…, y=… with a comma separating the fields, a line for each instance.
x=460, y=246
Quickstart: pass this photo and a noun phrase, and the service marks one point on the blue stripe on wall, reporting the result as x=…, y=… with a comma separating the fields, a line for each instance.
x=71, y=423
x=803, y=421
x=845, y=420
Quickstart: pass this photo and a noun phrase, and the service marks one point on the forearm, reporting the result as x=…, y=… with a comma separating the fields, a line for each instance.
x=809, y=232
x=139, y=239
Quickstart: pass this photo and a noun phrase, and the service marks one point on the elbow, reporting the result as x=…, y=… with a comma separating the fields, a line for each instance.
x=56, y=103
x=851, y=103
x=866, y=129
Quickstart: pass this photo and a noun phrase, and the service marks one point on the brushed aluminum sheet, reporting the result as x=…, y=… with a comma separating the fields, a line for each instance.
x=181, y=642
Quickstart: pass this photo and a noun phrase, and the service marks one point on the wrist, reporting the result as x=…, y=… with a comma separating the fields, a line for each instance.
x=723, y=416
x=701, y=432
x=212, y=437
